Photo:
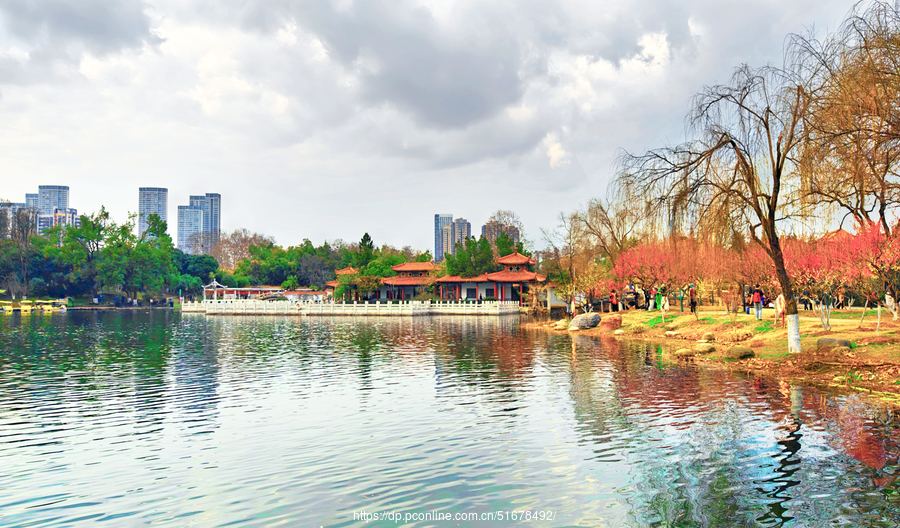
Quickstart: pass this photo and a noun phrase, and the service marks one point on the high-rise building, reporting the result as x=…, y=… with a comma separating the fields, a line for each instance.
x=190, y=228
x=151, y=200
x=462, y=230
x=52, y=197
x=492, y=230
x=211, y=205
x=447, y=241
x=31, y=200
x=440, y=221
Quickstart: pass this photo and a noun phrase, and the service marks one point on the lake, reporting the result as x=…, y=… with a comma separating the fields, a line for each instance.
x=132, y=418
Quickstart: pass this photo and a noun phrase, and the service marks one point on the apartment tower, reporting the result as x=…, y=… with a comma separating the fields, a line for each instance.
x=151, y=200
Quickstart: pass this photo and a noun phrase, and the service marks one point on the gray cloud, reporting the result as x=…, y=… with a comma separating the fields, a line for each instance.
x=56, y=33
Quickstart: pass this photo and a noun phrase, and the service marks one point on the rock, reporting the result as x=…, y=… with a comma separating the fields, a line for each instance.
x=684, y=352
x=743, y=335
x=832, y=342
x=740, y=352
x=562, y=324
x=610, y=322
x=842, y=350
x=705, y=348
x=671, y=333
x=619, y=332
x=670, y=327
x=588, y=320
x=708, y=337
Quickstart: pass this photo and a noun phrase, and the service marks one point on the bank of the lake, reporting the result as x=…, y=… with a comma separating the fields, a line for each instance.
x=871, y=363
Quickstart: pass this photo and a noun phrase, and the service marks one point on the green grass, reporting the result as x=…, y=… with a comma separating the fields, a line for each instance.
x=653, y=323
x=766, y=327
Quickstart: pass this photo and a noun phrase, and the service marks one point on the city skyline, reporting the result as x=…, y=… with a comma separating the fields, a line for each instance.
x=301, y=111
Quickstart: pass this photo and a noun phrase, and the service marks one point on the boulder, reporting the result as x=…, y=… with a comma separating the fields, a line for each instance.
x=705, y=348
x=672, y=333
x=610, y=322
x=739, y=352
x=670, y=326
x=619, y=332
x=684, y=352
x=708, y=337
x=588, y=320
x=832, y=342
x=562, y=324
x=842, y=350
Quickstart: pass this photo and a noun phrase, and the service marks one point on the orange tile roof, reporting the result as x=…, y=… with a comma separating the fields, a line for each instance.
x=303, y=292
x=515, y=258
x=457, y=278
x=407, y=281
x=515, y=276
x=349, y=270
x=414, y=266
x=332, y=284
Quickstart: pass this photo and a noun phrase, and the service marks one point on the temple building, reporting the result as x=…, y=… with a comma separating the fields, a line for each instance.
x=511, y=284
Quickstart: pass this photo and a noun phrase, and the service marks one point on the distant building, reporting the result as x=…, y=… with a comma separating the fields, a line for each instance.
x=31, y=200
x=492, y=230
x=190, y=227
x=462, y=230
x=447, y=240
x=151, y=200
x=211, y=205
x=66, y=217
x=440, y=221
x=52, y=197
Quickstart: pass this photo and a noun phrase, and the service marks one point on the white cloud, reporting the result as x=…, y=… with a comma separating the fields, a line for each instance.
x=297, y=111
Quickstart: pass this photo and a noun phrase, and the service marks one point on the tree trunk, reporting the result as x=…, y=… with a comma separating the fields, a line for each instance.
x=790, y=302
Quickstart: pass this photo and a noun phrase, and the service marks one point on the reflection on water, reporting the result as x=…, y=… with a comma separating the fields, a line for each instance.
x=137, y=418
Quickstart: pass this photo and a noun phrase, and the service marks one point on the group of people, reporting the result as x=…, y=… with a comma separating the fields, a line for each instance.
x=637, y=298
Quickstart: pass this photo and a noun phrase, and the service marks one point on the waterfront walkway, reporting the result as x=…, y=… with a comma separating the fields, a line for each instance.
x=389, y=308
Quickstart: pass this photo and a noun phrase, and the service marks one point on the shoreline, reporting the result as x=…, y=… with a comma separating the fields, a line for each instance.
x=871, y=363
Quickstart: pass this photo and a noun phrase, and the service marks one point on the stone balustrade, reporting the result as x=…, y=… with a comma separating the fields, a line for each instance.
x=390, y=308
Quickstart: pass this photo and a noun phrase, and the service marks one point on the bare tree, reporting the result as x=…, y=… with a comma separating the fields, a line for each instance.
x=614, y=225
x=741, y=164
x=235, y=246
x=851, y=160
x=23, y=228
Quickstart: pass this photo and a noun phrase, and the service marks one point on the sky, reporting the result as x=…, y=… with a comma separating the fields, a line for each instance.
x=326, y=119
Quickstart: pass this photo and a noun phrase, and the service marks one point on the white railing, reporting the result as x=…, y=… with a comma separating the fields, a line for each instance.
x=395, y=308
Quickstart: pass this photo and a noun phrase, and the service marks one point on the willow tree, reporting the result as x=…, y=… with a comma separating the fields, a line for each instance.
x=739, y=165
x=853, y=155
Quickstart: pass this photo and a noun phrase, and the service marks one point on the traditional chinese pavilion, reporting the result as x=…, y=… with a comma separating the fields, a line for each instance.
x=511, y=284
x=411, y=279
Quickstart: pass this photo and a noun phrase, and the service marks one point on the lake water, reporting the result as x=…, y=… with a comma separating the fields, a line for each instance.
x=137, y=418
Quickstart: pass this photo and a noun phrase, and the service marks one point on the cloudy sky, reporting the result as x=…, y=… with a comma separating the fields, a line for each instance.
x=324, y=119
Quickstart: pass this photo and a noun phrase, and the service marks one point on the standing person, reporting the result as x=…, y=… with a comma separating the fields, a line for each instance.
x=614, y=301
x=658, y=297
x=692, y=293
x=757, y=301
x=651, y=295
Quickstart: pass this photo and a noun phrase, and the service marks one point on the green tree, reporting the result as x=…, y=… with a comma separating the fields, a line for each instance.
x=366, y=251
x=290, y=284
x=81, y=248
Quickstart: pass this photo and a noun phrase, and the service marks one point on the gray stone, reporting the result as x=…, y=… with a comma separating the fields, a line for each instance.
x=671, y=333
x=832, y=342
x=705, y=348
x=588, y=320
x=740, y=352
x=708, y=337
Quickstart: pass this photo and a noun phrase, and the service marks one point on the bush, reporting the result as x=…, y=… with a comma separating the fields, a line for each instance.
x=38, y=287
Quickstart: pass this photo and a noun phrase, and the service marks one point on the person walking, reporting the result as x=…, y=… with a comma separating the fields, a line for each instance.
x=692, y=293
x=758, y=301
